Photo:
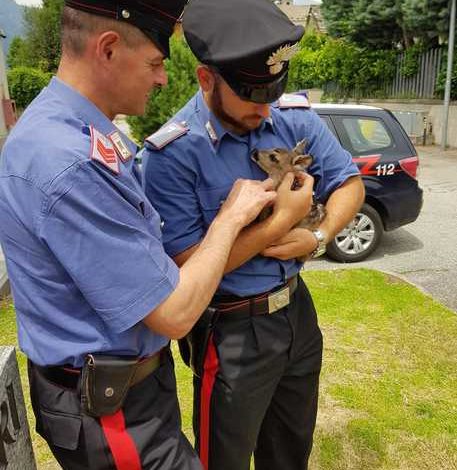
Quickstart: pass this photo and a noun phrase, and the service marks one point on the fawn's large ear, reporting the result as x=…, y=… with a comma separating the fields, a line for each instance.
x=299, y=149
x=302, y=160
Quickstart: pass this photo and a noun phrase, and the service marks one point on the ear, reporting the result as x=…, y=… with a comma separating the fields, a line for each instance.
x=205, y=78
x=300, y=147
x=302, y=160
x=107, y=46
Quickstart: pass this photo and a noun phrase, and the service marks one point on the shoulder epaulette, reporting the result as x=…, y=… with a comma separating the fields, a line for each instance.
x=102, y=150
x=288, y=100
x=168, y=133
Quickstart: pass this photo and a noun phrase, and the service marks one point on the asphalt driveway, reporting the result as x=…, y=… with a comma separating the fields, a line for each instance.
x=424, y=252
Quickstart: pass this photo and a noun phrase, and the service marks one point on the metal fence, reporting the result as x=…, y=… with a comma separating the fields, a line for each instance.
x=423, y=83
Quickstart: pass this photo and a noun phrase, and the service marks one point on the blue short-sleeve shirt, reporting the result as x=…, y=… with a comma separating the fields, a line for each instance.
x=82, y=243
x=188, y=179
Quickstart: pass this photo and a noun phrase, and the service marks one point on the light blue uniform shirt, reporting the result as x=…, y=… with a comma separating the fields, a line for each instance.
x=189, y=178
x=82, y=243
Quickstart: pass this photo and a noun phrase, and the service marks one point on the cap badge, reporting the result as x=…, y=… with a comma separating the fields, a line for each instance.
x=281, y=55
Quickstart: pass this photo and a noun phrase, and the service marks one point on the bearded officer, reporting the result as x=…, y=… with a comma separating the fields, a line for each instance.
x=257, y=352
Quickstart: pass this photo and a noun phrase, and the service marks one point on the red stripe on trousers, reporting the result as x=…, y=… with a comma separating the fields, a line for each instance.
x=210, y=369
x=120, y=442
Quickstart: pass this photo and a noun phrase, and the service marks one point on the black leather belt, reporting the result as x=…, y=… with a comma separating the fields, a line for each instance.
x=266, y=303
x=68, y=377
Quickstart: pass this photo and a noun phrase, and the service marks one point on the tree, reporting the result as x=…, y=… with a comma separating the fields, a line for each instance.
x=426, y=20
x=41, y=46
x=388, y=23
x=43, y=34
x=19, y=54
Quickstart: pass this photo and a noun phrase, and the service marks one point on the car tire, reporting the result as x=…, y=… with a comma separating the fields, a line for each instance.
x=359, y=239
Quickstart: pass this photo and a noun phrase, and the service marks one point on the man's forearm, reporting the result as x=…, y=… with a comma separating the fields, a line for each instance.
x=342, y=206
x=198, y=280
x=252, y=240
x=249, y=243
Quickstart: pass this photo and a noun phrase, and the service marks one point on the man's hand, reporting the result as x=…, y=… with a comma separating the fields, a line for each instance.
x=245, y=201
x=299, y=242
x=294, y=203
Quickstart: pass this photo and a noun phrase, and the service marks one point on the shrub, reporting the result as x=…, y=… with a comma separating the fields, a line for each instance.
x=166, y=101
x=25, y=83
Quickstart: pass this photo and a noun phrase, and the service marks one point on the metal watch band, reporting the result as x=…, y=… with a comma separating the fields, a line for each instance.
x=321, y=245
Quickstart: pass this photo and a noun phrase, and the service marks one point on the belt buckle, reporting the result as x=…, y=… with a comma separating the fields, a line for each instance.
x=278, y=299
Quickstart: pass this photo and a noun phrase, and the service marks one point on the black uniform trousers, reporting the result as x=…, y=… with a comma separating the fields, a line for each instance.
x=258, y=392
x=144, y=434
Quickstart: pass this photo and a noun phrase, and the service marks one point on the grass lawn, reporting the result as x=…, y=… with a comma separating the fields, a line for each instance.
x=389, y=383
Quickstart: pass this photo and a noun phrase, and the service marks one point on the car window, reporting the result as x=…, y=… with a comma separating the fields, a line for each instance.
x=366, y=134
x=326, y=119
x=329, y=123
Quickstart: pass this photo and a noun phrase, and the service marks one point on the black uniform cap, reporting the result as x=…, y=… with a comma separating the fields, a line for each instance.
x=155, y=18
x=249, y=42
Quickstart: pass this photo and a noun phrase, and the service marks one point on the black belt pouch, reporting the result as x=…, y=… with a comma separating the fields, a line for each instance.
x=105, y=382
x=194, y=345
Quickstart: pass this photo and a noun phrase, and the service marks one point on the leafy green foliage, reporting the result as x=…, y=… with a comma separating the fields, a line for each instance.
x=441, y=82
x=43, y=34
x=19, y=54
x=167, y=101
x=410, y=65
x=339, y=65
x=388, y=23
x=41, y=46
x=25, y=83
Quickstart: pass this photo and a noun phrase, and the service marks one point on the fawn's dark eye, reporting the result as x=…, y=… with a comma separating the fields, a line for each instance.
x=273, y=158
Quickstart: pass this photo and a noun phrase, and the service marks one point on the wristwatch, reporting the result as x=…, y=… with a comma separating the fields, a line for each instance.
x=321, y=244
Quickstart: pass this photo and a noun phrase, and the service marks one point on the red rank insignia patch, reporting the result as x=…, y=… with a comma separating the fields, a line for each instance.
x=102, y=150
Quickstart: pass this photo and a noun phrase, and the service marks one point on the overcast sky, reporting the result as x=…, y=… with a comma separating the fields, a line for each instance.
x=29, y=2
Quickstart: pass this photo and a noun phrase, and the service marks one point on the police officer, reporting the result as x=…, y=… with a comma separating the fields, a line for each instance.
x=96, y=297
x=257, y=360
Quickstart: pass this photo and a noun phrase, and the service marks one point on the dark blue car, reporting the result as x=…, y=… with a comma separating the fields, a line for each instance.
x=388, y=163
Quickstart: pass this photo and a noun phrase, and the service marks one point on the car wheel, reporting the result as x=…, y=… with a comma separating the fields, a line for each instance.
x=359, y=239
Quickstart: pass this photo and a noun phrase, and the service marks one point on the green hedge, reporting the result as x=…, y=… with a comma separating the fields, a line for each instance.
x=25, y=83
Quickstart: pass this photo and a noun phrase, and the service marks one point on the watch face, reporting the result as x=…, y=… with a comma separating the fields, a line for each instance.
x=320, y=237
x=321, y=245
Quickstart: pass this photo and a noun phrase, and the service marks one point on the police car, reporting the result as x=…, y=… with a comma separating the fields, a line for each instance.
x=388, y=163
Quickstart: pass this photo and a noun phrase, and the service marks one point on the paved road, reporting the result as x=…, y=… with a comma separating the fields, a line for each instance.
x=425, y=251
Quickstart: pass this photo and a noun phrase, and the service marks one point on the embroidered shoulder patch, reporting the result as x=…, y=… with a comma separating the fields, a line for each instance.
x=102, y=150
x=120, y=146
x=167, y=134
x=288, y=100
